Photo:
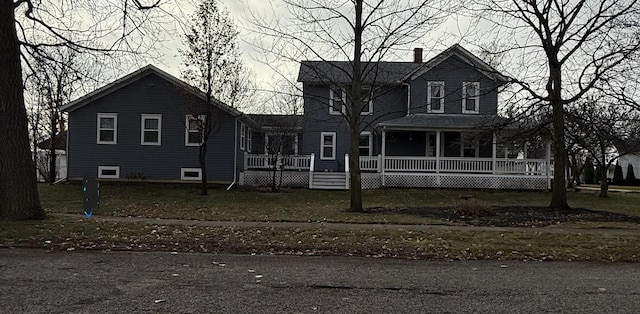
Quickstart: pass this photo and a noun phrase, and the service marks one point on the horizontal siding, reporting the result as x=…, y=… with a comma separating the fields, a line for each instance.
x=148, y=95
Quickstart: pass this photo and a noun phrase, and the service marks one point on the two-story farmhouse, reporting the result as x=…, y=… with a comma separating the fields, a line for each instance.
x=424, y=125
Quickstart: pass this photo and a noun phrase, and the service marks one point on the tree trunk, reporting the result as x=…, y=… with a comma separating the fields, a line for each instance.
x=559, y=190
x=52, y=145
x=604, y=185
x=19, y=198
x=356, y=107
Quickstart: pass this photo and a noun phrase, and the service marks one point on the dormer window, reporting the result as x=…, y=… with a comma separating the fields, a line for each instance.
x=337, y=99
x=471, y=97
x=435, y=97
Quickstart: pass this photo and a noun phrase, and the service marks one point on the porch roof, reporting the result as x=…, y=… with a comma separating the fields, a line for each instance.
x=441, y=121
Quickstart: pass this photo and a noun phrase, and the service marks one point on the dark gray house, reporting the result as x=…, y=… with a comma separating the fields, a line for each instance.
x=144, y=126
x=424, y=125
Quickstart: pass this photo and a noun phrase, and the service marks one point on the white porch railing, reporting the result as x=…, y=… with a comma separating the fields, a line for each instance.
x=370, y=163
x=264, y=161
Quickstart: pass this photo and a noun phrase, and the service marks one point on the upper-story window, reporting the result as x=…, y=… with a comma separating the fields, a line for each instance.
x=471, y=97
x=435, y=96
x=107, y=128
x=367, y=106
x=194, y=130
x=151, y=129
x=337, y=99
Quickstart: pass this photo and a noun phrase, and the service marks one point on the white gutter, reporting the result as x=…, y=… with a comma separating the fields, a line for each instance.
x=408, y=97
x=235, y=154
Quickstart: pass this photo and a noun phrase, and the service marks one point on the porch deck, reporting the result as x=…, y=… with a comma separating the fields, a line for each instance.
x=398, y=171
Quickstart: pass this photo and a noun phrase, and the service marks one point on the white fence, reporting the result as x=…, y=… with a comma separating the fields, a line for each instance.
x=266, y=161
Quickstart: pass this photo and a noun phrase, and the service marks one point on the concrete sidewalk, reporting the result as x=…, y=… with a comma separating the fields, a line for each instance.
x=349, y=226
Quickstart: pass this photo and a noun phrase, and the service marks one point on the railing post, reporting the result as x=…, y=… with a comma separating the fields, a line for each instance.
x=311, y=166
x=346, y=171
x=493, y=153
x=438, y=151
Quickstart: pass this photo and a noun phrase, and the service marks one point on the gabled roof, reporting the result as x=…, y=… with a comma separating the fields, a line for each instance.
x=269, y=122
x=60, y=142
x=135, y=76
x=441, y=121
x=390, y=72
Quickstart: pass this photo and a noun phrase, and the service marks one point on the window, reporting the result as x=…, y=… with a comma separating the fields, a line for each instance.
x=107, y=128
x=249, y=139
x=367, y=107
x=435, y=97
x=194, y=130
x=108, y=172
x=469, y=146
x=190, y=174
x=365, y=144
x=151, y=126
x=337, y=98
x=243, y=136
x=470, y=97
x=328, y=145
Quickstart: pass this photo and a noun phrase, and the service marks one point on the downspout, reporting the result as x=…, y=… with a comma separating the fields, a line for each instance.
x=235, y=153
x=408, y=85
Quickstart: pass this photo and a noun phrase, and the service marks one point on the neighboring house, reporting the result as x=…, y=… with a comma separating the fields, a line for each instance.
x=631, y=150
x=43, y=153
x=424, y=126
x=144, y=127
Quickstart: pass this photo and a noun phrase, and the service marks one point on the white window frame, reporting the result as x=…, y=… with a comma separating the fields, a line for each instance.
x=464, y=97
x=142, y=129
x=322, y=146
x=183, y=177
x=115, y=128
x=243, y=136
x=468, y=142
x=369, y=91
x=102, y=176
x=249, y=139
x=370, y=144
x=430, y=97
x=186, y=130
x=331, y=98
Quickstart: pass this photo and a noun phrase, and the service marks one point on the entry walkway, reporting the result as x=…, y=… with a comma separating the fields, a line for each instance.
x=350, y=226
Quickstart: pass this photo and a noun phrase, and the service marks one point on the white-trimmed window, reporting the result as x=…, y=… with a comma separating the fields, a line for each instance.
x=365, y=145
x=367, y=106
x=243, y=136
x=109, y=172
x=249, y=139
x=337, y=99
x=107, y=128
x=469, y=146
x=190, y=173
x=470, y=97
x=328, y=145
x=151, y=129
x=194, y=131
x=435, y=96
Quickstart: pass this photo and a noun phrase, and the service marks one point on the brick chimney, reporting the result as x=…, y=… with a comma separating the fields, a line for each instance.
x=417, y=55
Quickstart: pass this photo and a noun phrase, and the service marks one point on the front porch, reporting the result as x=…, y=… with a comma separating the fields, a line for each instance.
x=406, y=171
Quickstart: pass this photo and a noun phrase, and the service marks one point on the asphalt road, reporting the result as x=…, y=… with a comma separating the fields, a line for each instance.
x=37, y=281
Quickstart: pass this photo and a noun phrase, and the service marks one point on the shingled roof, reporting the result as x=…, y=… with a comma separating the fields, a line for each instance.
x=441, y=121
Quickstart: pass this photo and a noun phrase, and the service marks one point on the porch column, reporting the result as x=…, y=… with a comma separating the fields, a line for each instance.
x=525, y=156
x=384, y=154
x=493, y=152
x=437, y=151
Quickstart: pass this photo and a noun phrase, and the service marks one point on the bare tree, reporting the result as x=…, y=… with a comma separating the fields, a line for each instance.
x=109, y=28
x=563, y=49
x=362, y=32
x=211, y=62
x=603, y=129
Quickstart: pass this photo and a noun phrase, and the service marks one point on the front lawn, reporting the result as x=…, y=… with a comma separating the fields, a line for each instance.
x=386, y=205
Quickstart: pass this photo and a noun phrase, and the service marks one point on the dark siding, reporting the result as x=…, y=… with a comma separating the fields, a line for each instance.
x=453, y=72
x=148, y=95
x=389, y=103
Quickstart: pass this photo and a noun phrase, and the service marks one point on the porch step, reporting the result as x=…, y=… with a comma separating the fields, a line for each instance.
x=329, y=180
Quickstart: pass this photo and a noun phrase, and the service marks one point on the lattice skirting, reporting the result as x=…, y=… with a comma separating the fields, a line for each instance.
x=298, y=179
x=466, y=181
x=370, y=181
